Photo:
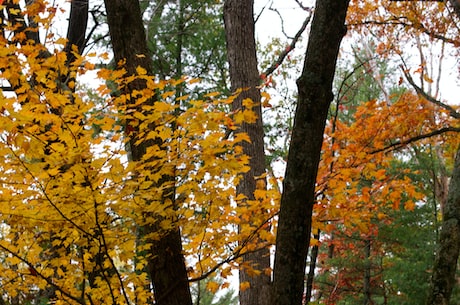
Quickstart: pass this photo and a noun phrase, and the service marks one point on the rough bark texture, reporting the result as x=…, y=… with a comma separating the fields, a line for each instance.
x=166, y=265
x=241, y=49
x=445, y=266
x=298, y=198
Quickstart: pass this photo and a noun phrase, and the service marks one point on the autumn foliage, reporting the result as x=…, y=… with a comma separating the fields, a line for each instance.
x=75, y=204
x=74, y=201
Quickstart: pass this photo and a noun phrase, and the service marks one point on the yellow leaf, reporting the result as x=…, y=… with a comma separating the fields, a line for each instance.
x=212, y=94
x=212, y=286
x=14, y=11
x=14, y=260
x=314, y=242
x=62, y=41
x=427, y=78
x=244, y=286
x=141, y=71
x=248, y=103
x=53, y=172
x=226, y=272
x=252, y=272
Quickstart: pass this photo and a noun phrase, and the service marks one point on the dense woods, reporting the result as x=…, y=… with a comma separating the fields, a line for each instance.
x=153, y=150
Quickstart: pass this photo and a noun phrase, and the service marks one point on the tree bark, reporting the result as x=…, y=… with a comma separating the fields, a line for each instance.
x=445, y=266
x=76, y=33
x=311, y=270
x=244, y=73
x=166, y=266
x=298, y=198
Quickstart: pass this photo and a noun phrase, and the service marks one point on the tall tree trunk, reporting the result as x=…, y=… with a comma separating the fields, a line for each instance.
x=241, y=49
x=298, y=198
x=445, y=266
x=166, y=265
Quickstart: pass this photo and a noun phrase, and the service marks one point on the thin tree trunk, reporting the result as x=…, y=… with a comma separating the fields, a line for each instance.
x=297, y=200
x=241, y=49
x=367, y=273
x=166, y=266
x=311, y=269
x=443, y=279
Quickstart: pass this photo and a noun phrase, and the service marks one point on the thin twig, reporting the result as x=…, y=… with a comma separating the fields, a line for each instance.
x=288, y=49
x=400, y=144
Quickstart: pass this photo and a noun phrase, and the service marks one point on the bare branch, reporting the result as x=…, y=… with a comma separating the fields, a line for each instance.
x=260, y=13
x=453, y=113
x=305, y=8
x=288, y=49
x=399, y=144
x=281, y=20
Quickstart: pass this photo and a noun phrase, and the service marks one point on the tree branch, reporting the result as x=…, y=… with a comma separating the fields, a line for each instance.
x=288, y=49
x=237, y=253
x=36, y=272
x=399, y=144
x=399, y=21
x=452, y=112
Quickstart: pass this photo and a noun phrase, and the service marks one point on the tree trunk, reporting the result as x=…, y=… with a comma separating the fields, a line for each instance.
x=298, y=198
x=367, y=298
x=311, y=269
x=241, y=49
x=166, y=266
x=78, y=22
x=445, y=266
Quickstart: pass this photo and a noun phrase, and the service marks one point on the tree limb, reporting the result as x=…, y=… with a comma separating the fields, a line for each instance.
x=400, y=21
x=36, y=272
x=452, y=112
x=288, y=49
x=399, y=144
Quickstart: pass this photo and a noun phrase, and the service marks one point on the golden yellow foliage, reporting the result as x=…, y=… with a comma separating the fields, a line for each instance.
x=73, y=201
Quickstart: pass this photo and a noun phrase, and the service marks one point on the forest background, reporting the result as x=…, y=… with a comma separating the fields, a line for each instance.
x=158, y=178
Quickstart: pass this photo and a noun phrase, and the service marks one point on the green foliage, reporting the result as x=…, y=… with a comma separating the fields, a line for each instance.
x=412, y=236
x=187, y=38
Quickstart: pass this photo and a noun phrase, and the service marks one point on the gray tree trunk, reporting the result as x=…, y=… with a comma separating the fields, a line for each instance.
x=166, y=266
x=445, y=266
x=244, y=73
x=298, y=198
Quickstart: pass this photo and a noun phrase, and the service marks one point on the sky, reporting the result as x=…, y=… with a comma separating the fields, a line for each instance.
x=275, y=14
